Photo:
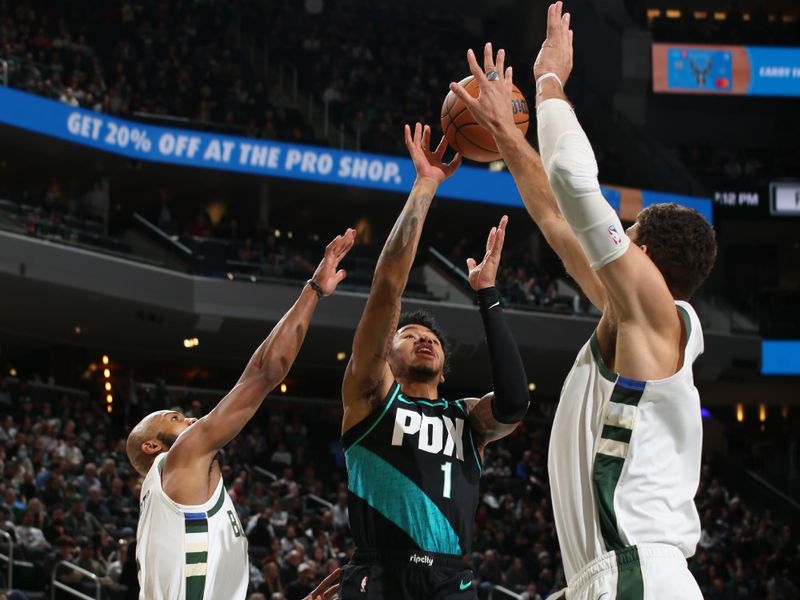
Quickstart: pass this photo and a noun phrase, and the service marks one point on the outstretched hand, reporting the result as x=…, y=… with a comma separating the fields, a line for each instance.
x=327, y=276
x=483, y=275
x=327, y=589
x=556, y=53
x=429, y=164
x=492, y=108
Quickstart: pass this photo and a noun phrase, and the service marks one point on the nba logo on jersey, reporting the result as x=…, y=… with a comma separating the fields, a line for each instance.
x=364, y=585
x=612, y=231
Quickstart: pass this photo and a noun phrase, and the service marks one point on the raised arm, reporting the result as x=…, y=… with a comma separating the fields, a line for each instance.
x=492, y=109
x=649, y=328
x=367, y=378
x=268, y=366
x=499, y=412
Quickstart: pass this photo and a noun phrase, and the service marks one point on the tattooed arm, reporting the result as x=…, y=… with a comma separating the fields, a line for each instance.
x=191, y=454
x=367, y=378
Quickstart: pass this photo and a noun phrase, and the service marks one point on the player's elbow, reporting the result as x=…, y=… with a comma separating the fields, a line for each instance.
x=573, y=173
x=510, y=407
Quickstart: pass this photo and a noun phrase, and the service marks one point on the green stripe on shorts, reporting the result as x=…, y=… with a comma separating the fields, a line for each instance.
x=630, y=585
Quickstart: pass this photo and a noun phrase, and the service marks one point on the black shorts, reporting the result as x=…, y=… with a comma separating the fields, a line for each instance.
x=406, y=575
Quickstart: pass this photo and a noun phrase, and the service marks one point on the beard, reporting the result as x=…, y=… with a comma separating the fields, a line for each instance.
x=167, y=439
x=422, y=373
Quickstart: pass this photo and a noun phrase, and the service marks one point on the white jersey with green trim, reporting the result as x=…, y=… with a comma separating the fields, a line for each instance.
x=625, y=457
x=189, y=552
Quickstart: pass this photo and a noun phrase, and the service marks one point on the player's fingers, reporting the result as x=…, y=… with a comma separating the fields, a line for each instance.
x=503, y=223
x=476, y=71
x=328, y=581
x=340, y=275
x=455, y=163
x=490, y=240
x=418, y=135
x=330, y=593
x=552, y=21
x=471, y=264
x=407, y=132
x=347, y=243
x=426, y=138
x=565, y=27
x=509, y=80
x=440, y=148
x=499, y=238
x=463, y=95
x=488, y=59
x=500, y=64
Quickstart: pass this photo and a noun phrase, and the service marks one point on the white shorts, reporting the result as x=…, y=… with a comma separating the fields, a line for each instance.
x=643, y=572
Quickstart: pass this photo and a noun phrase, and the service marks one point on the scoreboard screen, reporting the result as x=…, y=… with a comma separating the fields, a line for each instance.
x=726, y=70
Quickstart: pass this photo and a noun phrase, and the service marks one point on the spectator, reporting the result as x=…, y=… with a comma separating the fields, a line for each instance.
x=302, y=586
x=78, y=522
x=31, y=537
x=341, y=517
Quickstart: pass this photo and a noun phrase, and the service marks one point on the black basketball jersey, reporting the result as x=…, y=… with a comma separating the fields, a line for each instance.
x=413, y=476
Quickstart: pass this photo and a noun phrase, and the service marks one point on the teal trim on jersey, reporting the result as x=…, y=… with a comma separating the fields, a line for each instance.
x=478, y=460
x=218, y=504
x=598, y=358
x=400, y=500
x=630, y=584
x=379, y=419
x=432, y=403
x=465, y=585
x=458, y=405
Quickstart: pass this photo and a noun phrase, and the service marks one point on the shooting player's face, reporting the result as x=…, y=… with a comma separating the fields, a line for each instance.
x=417, y=353
x=172, y=424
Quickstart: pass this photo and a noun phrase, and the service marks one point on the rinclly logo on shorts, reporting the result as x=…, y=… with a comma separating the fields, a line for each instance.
x=615, y=237
x=364, y=585
x=424, y=559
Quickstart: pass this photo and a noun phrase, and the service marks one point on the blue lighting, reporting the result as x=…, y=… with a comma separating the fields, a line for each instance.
x=780, y=357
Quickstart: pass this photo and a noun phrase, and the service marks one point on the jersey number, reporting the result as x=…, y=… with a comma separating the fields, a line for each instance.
x=237, y=531
x=448, y=478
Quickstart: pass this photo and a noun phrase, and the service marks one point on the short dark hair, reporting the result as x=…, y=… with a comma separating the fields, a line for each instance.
x=420, y=317
x=681, y=243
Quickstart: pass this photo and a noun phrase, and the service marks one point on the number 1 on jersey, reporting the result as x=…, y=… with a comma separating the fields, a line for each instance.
x=448, y=476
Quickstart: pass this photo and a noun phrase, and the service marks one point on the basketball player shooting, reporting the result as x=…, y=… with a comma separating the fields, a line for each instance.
x=625, y=449
x=190, y=542
x=414, y=458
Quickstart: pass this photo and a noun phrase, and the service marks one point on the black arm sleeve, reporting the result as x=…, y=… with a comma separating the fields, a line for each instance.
x=511, y=398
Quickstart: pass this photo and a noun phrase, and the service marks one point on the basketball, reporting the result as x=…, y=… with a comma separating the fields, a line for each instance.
x=462, y=130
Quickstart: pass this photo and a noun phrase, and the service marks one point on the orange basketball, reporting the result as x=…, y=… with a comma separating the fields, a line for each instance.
x=463, y=132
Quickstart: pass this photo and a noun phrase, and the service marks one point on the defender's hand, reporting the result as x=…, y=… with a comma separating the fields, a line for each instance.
x=483, y=275
x=326, y=275
x=556, y=53
x=429, y=164
x=492, y=108
x=326, y=590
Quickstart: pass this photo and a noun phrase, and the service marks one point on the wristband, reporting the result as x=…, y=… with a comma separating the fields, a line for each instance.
x=316, y=287
x=488, y=298
x=546, y=76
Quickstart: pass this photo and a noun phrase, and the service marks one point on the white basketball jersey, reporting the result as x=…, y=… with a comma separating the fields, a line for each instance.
x=625, y=457
x=189, y=552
